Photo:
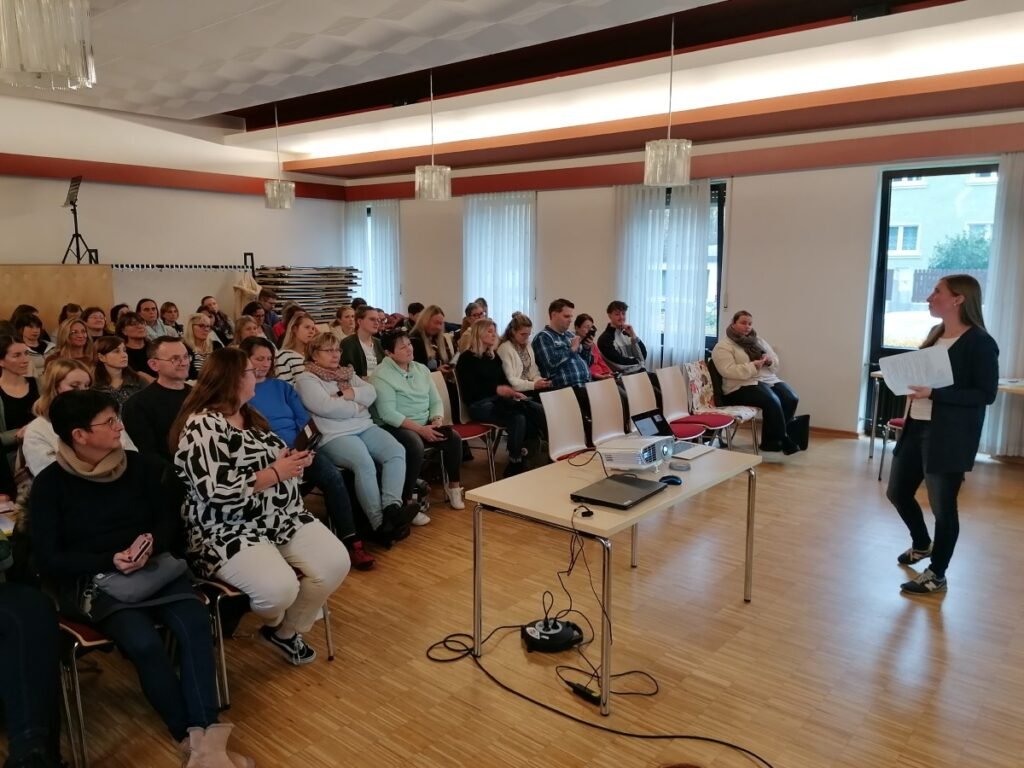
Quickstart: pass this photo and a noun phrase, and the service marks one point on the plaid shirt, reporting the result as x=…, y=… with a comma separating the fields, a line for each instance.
x=558, y=362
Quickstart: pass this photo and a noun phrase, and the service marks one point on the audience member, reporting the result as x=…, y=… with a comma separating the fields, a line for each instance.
x=482, y=303
x=40, y=445
x=244, y=513
x=358, y=302
x=200, y=341
x=339, y=402
x=344, y=323
x=280, y=404
x=474, y=312
x=290, y=310
x=247, y=327
x=516, y=355
x=69, y=312
x=73, y=343
x=18, y=394
x=409, y=406
x=491, y=399
x=221, y=322
x=95, y=322
x=362, y=351
x=155, y=327
x=749, y=369
x=413, y=314
x=291, y=357
x=169, y=314
x=112, y=373
x=430, y=346
x=267, y=299
x=132, y=328
x=89, y=510
x=561, y=355
x=28, y=329
x=116, y=311
x=585, y=330
x=619, y=344
x=149, y=415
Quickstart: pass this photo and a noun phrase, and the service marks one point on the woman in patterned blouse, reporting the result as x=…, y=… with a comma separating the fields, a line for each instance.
x=244, y=513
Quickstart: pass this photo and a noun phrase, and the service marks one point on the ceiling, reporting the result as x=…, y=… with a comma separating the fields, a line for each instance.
x=188, y=59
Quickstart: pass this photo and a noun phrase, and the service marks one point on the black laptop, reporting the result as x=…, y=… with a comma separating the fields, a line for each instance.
x=618, y=491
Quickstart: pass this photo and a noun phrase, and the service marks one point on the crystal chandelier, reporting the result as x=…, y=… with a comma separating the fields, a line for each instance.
x=667, y=161
x=433, y=182
x=46, y=44
x=278, y=193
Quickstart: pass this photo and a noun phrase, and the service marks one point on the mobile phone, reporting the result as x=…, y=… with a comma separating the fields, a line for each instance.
x=139, y=548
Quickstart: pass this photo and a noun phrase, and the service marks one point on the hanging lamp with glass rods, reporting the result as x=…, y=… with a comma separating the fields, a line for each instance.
x=46, y=44
x=433, y=182
x=667, y=161
x=278, y=193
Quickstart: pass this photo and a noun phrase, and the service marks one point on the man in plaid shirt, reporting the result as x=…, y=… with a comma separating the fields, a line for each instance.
x=561, y=355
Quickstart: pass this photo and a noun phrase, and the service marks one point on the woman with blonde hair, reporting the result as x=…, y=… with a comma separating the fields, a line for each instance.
x=430, y=346
x=516, y=354
x=290, y=360
x=73, y=343
x=246, y=327
x=492, y=400
x=200, y=340
x=112, y=374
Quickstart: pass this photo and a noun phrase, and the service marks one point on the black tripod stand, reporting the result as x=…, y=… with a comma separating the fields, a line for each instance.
x=77, y=244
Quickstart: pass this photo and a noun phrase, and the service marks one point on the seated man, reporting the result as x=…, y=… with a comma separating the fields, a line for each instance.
x=149, y=414
x=621, y=348
x=562, y=356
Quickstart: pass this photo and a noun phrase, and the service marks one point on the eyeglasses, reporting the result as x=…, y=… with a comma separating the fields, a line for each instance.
x=328, y=350
x=173, y=359
x=110, y=423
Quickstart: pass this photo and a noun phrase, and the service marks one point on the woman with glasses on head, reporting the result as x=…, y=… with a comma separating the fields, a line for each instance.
x=73, y=343
x=362, y=350
x=132, y=328
x=40, y=445
x=246, y=521
x=112, y=374
x=340, y=404
x=169, y=314
x=200, y=340
x=290, y=361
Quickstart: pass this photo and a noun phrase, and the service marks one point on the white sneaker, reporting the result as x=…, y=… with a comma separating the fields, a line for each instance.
x=455, y=497
x=420, y=519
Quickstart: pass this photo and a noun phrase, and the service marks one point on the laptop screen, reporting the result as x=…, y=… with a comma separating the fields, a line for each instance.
x=652, y=424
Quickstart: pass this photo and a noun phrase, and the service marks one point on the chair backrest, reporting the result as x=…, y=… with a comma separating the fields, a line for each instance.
x=675, y=402
x=463, y=408
x=605, y=411
x=701, y=391
x=565, y=423
x=639, y=393
x=442, y=390
x=716, y=381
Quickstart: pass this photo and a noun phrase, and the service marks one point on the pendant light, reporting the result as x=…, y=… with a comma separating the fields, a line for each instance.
x=667, y=161
x=278, y=193
x=46, y=44
x=433, y=182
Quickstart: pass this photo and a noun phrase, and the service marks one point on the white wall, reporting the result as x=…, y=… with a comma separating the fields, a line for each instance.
x=800, y=250
x=431, y=255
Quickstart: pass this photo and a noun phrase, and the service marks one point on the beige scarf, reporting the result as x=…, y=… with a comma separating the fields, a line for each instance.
x=109, y=469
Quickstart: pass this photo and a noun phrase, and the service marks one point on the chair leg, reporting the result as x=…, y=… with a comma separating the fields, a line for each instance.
x=72, y=730
x=327, y=632
x=490, y=456
x=76, y=688
x=223, y=692
x=753, y=433
x=881, y=459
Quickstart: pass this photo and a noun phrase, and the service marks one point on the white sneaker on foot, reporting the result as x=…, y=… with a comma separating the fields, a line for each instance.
x=420, y=519
x=455, y=499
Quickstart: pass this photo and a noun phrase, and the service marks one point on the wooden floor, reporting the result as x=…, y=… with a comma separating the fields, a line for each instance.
x=828, y=666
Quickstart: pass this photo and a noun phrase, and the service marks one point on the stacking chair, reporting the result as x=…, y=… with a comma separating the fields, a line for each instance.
x=676, y=405
x=566, y=437
x=892, y=427
x=466, y=430
x=78, y=640
x=605, y=411
x=641, y=399
x=702, y=401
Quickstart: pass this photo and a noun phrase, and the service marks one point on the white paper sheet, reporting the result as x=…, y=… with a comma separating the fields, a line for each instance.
x=921, y=368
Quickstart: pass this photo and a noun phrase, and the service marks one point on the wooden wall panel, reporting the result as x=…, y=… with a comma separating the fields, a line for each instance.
x=49, y=287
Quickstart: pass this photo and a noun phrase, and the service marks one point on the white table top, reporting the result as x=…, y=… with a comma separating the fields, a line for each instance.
x=543, y=494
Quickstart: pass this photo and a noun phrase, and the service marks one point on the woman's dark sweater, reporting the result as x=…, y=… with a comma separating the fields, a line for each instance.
x=479, y=377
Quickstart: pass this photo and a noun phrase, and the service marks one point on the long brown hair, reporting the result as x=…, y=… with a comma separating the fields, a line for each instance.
x=518, y=322
x=104, y=346
x=217, y=390
x=969, y=290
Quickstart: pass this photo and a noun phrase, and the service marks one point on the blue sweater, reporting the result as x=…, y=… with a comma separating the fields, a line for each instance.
x=279, y=402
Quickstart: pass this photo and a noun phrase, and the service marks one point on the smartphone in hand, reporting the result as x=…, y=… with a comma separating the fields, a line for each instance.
x=139, y=548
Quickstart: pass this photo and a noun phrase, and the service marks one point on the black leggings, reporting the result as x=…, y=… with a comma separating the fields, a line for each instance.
x=778, y=405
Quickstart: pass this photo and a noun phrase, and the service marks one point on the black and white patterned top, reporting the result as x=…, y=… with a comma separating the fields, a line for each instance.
x=223, y=513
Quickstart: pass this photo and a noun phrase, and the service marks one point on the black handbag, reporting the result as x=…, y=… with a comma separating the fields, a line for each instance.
x=142, y=584
x=799, y=430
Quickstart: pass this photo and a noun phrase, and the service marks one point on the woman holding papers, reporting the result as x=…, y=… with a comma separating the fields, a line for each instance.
x=943, y=429
x=750, y=376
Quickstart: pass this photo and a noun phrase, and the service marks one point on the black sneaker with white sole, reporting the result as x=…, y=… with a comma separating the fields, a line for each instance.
x=912, y=555
x=925, y=584
x=294, y=649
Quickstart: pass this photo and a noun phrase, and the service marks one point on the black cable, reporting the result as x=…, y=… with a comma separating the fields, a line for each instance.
x=593, y=452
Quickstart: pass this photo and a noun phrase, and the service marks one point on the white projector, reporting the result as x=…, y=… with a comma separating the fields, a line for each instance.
x=636, y=453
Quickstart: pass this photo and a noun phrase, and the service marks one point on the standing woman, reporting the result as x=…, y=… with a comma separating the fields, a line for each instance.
x=943, y=428
x=73, y=343
x=18, y=393
x=132, y=328
x=245, y=520
x=200, y=340
x=113, y=375
x=290, y=361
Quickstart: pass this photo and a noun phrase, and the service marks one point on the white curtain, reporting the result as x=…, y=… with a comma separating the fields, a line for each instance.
x=371, y=245
x=498, y=246
x=663, y=252
x=1004, y=307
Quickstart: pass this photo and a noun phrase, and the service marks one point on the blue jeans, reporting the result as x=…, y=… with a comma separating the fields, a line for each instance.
x=359, y=453
x=522, y=419
x=325, y=475
x=29, y=684
x=188, y=702
x=905, y=478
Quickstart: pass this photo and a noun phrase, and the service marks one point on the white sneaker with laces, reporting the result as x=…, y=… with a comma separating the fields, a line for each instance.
x=455, y=497
x=420, y=519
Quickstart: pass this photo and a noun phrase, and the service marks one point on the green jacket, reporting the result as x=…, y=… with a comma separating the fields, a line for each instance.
x=402, y=395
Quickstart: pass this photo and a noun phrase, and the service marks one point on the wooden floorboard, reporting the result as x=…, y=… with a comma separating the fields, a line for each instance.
x=828, y=666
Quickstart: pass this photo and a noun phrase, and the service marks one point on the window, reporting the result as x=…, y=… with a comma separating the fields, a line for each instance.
x=979, y=231
x=983, y=177
x=908, y=182
x=903, y=240
x=716, y=235
x=371, y=246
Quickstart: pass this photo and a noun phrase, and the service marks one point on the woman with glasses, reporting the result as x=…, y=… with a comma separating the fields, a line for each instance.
x=200, y=340
x=362, y=350
x=95, y=322
x=73, y=343
x=245, y=519
x=132, y=328
x=112, y=374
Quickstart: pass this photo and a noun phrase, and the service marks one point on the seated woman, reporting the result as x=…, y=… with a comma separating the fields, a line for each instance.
x=132, y=328
x=18, y=393
x=40, y=444
x=113, y=375
x=247, y=327
x=430, y=346
x=280, y=403
x=344, y=323
x=362, y=350
x=516, y=355
x=340, y=404
x=244, y=516
x=409, y=406
x=200, y=340
x=28, y=329
x=95, y=322
x=750, y=376
x=291, y=357
x=492, y=400
x=70, y=311
x=169, y=314
x=73, y=343
x=585, y=329
x=474, y=312
x=89, y=509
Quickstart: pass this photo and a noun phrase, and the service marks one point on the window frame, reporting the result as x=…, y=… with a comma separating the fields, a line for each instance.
x=719, y=191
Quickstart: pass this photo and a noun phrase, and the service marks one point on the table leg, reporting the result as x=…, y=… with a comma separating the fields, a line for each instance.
x=748, y=575
x=876, y=391
x=478, y=597
x=634, y=560
x=606, y=625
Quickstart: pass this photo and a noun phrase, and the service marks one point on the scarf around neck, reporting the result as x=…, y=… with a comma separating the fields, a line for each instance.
x=109, y=468
x=342, y=375
x=751, y=343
